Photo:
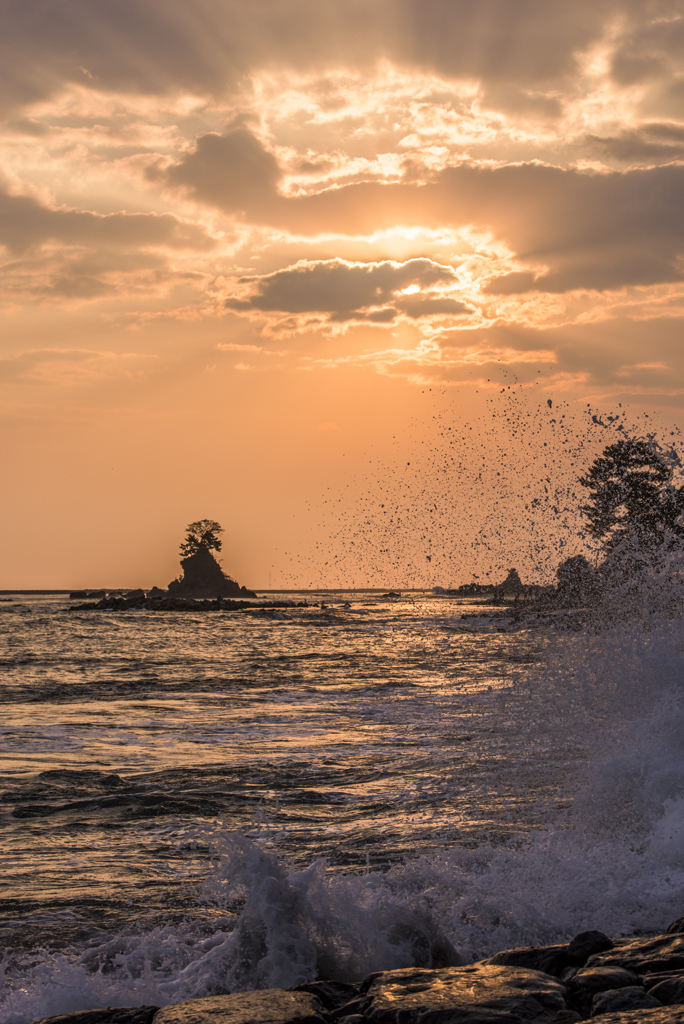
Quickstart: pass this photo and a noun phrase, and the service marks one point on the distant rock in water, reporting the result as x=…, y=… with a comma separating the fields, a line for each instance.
x=203, y=577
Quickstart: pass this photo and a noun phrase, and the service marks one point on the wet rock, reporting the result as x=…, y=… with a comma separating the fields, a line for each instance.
x=667, y=990
x=632, y=997
x=586, y=944
x=676, y=927
x=663, y=1015
x=350, y=1009
x=476, y=994
x=426, y=946
x=591, y=980
x=644, y=956
x=549, y=959
x=268, y=1006
x=333, y=994
x=109, y=1015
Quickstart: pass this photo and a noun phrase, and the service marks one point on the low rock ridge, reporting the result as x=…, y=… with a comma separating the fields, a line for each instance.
x=147, y=602
x=622, y=981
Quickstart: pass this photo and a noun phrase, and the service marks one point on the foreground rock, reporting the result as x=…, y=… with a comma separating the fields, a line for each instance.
x=271, y=1006
x=467, y=995
x=632, y=997
x=644, y=956
x=587, y=984
x=665, y=1015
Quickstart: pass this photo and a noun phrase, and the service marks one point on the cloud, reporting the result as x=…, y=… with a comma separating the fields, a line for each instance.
x=25, y=223
x=522, y=52
x=590, y=231
x=603, y=359
x=652, y=48
x=376, y=292
x=233, y=171
x=651, y=142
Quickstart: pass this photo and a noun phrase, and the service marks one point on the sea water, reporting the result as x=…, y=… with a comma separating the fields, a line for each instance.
x=197, y=803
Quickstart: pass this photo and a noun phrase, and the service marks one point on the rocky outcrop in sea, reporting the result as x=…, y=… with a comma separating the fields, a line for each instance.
x=203, y=577
x=633, y=980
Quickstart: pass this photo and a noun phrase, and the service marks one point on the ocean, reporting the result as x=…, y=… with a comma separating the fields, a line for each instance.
x=196, y=803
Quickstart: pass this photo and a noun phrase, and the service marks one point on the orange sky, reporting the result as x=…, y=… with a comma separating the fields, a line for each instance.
x=257, y=257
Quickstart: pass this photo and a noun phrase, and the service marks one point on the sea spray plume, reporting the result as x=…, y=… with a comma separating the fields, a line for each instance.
x=296, y=926
x=463, y=499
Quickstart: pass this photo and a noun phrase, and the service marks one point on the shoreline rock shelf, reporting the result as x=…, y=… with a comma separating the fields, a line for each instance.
x=620, y=981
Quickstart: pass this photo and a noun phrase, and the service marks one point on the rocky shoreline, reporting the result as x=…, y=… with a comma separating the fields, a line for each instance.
x=622, y=981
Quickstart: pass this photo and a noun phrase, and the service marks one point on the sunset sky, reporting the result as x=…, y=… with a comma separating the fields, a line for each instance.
x=260, y=256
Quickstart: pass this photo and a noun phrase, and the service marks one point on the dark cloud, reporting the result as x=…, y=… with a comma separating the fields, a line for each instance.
x=207, y=47
x=25, y=223
x=652, y=48
x=166, y=46
x=418, y=305
x=527, y=42
x=351, y=291
x=593, y=231
x=511, y=284
x=605, y=353
x=652, y=142
x=233, y=170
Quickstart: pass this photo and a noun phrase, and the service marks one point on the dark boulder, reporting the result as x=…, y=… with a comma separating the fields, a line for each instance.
x=586, y=944
x=632, y=997
x=549, y=959
x=668, y=990
x=476, y=994
x=590, y=980
x=268, y=1006
x=677, y=927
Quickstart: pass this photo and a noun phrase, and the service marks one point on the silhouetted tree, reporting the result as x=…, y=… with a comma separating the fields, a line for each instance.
x=634, y=494
x=202, y=534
